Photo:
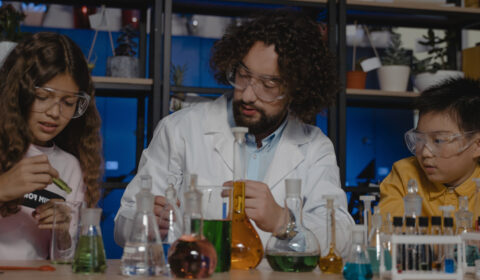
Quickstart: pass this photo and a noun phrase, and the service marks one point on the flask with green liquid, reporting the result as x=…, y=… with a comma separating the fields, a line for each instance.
x=293, y=248
x=90, y=253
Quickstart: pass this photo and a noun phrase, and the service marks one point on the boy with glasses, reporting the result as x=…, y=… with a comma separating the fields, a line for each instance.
x=446, y=146
x=282, y=76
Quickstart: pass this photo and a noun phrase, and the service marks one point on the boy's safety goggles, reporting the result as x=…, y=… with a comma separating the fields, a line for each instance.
x=440, y=144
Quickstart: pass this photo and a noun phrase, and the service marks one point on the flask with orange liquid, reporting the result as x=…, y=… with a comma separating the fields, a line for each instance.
x=247, y=248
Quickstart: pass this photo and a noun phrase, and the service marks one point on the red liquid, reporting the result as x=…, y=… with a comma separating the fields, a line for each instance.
x=192, y=258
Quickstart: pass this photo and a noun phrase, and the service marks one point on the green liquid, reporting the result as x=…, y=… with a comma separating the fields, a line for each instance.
x=293, y=263
x=219, y=233
x=89, y=255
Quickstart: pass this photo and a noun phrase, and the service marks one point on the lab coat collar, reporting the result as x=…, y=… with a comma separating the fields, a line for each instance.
x=287, y=156
x=216, y=125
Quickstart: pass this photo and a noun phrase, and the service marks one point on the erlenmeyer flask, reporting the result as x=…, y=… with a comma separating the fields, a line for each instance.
x=192, y=255
x=143, y=253
x=357, y=266
x=247, y=248
x=172, y=216
x=332, y=262
x=293, y=248
x=90, y=253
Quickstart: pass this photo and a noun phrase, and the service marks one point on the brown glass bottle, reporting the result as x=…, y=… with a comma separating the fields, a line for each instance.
x=247, y=248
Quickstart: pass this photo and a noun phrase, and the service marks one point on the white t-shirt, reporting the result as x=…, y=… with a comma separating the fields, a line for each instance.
x=20, y=238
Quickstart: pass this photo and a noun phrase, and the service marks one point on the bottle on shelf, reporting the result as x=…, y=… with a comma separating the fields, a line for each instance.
x=449, y=263
x=192, y=255
x=143, y=253
x=173, y=217
x=375, y=248
x=293, y=248
x=90, y=253
x=398, y=230
x=332, y=263
x=247, y=247
x=357, y=265
x=437, y=252
x=412, y=201
x=424, y=250
x=411, y=262
x=463, y=217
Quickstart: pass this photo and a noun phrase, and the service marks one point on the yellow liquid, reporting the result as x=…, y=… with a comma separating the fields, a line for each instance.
x=331, y=263
x=247, y=248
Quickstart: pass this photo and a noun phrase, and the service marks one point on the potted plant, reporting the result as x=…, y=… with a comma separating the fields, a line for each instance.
x=124, y=63
x=10, y=32
x=395, y=70
x=356, y=78
x=177, y=75
x=436, y=66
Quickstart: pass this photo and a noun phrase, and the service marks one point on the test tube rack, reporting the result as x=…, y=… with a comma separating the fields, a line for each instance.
x=466, y=237
x=426, y=239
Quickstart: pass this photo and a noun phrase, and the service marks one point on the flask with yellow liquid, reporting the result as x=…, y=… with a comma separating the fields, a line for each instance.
x=247, y=248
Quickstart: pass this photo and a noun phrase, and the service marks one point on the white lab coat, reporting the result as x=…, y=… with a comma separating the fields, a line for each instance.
x=199, y=140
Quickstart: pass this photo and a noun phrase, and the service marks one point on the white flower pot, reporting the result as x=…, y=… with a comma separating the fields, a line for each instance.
x=393, y=77
x=122, y=66
x=426, y=79
x=5, y=48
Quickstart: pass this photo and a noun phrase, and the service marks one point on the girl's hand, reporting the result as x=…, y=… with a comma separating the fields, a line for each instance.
x=45, y=215
x=28, y=175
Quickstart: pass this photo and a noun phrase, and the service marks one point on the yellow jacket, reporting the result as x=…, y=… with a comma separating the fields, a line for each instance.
x=394, y=188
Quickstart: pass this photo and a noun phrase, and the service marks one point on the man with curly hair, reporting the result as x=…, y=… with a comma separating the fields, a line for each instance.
x=283, y=75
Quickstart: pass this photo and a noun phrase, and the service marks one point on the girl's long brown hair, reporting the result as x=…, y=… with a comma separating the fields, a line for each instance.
x=34, y=62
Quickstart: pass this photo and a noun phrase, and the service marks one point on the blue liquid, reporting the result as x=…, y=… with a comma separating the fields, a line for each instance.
x=372, y=255
x=355, y=271
x=449, y=266
x=166, y=246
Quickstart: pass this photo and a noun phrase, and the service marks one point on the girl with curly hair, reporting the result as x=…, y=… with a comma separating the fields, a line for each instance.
x=49, y=128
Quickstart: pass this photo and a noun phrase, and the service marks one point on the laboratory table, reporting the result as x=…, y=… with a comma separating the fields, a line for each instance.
x=64, y=272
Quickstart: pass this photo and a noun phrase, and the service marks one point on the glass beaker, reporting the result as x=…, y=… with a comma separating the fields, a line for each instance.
x=247, y=248
x=357, y=266
x=66, y=216
x=332, y=262
x=217, y=222
x=143, y=253
x=192, y=255
x=90, y=253
x=293, y=248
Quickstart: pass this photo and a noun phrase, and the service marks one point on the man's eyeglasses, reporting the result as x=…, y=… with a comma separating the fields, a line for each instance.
x=440, y=144
x=266, y=88
x=72, y=105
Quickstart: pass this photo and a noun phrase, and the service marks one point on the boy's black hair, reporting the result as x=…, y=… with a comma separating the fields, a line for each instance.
x=459, y=97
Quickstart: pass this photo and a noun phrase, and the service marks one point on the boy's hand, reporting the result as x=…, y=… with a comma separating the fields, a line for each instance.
x=27, y=175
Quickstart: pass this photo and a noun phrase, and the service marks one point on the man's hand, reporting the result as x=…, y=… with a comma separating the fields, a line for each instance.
x=161, y=209
x=25, y=176
x=260, y=206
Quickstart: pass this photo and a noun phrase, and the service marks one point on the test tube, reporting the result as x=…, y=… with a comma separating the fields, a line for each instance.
x=367, y=215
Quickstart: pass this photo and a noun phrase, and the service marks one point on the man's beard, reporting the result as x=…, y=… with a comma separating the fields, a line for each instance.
x=266, y=124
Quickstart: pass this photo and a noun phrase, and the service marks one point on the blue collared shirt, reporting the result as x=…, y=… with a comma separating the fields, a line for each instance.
x=258, y=159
